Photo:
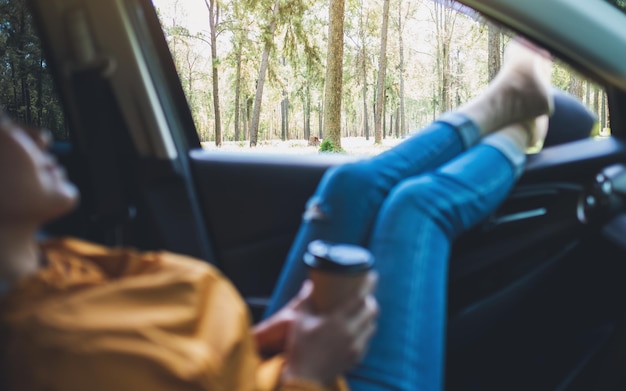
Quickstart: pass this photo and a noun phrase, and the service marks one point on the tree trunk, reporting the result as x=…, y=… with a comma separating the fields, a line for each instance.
x=444, y=26
x=284, y=117
x=494, y=50
x=256, y=112
x=402, y=114
x=320, y=120
x=307, y=113
x=596, y=101
x=214, y=16
x=249, y=105
x=390, y=130
x=40, y=75
x=334, y=74
x=575, y=86
x=244, y=121
x=382, y=70
x=602, y=110
x=237, y=91
x=397, y=125
x=25, y=94
x=445, y=76
x=14, y=80
x=366, y=125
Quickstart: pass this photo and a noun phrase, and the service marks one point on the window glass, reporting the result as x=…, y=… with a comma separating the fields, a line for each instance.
x=439, y=54
x=27, y=91
x=590, y=93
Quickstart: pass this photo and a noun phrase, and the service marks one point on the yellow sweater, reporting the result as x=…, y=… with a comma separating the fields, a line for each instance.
x=96, y=318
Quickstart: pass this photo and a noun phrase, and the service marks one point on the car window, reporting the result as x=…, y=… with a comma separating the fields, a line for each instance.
x=439, y=54
x=27, y=91
x=590, y=93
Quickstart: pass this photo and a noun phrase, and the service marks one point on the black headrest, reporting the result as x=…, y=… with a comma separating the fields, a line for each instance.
x=570, y=121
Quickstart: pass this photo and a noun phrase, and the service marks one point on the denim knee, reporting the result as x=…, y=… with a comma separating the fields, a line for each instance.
x=342, y=188
x=428, y=197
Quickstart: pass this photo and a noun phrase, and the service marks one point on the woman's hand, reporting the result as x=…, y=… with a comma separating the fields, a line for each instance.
x=320, y=347
x=271, y=334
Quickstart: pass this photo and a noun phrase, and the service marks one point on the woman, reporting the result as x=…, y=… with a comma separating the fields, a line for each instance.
x=79, y=316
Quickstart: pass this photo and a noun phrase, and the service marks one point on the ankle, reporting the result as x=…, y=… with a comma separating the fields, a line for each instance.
x=519, y=133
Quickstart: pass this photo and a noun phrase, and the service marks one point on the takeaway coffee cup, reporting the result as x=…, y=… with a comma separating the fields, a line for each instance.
x=338, y=272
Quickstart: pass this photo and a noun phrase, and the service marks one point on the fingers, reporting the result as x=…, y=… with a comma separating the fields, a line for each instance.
x=302, y=299
x=362, y=342
x=359, y=318
x=322, y=345
x=371, y=282
x=354, y=304
x=367, y=314
x=306, y=290
x=362, y=327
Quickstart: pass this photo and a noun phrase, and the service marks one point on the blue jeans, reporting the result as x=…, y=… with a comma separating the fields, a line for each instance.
x=407, y=205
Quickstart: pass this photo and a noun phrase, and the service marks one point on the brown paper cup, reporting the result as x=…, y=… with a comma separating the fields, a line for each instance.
x=338, y=272
x=330, y=290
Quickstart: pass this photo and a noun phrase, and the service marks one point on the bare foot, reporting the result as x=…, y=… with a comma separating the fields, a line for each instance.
x=521, y=90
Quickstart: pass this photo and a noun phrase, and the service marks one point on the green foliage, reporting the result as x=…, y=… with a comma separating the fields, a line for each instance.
x=26, y=87
x=328, y=146
x=561, y=76
x=595, y=131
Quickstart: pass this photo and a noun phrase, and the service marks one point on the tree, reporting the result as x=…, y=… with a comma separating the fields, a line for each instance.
x=575, y=85
x=308, y=78
x=382, y=70
x=284, y=112
x=239, y=22
x=268, y=36
x=27, y=91
x=363, y=63
x=401, y=65
x=302, y=69
x=238, y=56
x=444, y=17
x=334, y=74
x=494, y=50
x=214, y=18
x=190, y=64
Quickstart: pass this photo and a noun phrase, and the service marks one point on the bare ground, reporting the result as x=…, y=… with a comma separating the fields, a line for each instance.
x=352, y=145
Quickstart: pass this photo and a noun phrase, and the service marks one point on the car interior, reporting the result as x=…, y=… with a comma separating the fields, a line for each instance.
x=536, y=298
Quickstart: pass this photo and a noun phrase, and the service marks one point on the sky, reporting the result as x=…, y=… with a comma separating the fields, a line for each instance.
x=193, y=14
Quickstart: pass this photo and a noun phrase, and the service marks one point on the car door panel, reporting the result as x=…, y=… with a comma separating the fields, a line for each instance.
x=254, y=202
x=543, y=290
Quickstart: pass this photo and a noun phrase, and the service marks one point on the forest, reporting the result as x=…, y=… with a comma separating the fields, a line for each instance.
x=293, y=69
x=27, y=91
x=256, y=70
